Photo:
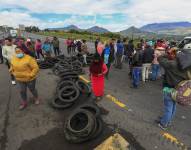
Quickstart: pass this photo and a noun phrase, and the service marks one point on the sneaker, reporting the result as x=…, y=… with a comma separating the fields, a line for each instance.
x=13, y=82
x=162, y=126
x=23, y=106
x=37, y=102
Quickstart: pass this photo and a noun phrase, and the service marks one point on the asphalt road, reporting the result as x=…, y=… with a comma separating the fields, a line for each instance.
x=41, y=127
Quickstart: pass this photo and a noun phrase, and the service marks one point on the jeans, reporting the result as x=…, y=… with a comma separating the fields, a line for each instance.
x=119, y=61
x=69, y=50
x=136, y=74
x=56, y=51
x=145, y=71
x=23, y=89
x=169, y=109
x=155, y=71
x=39, y=53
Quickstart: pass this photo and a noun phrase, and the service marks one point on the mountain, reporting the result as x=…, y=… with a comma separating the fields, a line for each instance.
x=177, y=31
x=97, y=29
x=70, y=27
x=135, y=32
x=155, y=27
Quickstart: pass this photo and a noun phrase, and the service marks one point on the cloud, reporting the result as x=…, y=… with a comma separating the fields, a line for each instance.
x=148, y=11
x=112, y=14
x=83, y=7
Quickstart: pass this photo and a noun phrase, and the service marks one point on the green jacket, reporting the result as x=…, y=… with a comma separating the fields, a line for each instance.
x=173, y=75
x=55, y=43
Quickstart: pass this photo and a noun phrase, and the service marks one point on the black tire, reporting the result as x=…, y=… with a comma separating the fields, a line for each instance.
x=91, y=108
x=63, y=84
x=44, y=65
x=99, y=128
x=73, y=78
x=86, y=119
x=58, y=104
x=83, y=87
x=68, y=73
x=76, y=133
x=71, y=98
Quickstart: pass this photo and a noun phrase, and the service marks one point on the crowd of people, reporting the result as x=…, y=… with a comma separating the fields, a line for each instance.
x=147, y=60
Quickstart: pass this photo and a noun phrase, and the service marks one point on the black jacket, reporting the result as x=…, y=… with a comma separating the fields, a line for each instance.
x=137, y=59
x=173, y=74
x=130, y=49
x=148, y=55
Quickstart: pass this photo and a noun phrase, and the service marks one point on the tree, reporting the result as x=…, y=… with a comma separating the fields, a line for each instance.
x=32, y=29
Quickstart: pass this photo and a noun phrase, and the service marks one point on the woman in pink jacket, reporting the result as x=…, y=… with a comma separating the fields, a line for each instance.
x=38, y=48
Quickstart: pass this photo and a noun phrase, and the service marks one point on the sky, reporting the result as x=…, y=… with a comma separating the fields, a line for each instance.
x=115, y=15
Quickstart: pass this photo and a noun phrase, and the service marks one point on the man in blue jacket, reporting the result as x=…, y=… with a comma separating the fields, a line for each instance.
x=119, y=54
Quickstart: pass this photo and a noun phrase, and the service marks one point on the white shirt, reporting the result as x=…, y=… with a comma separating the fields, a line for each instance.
x=8, y=52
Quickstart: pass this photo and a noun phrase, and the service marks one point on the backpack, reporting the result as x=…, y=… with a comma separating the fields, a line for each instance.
x=182, y=93
x=184, y=60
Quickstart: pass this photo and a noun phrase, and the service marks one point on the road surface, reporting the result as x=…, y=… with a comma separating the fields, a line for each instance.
x=133, y=110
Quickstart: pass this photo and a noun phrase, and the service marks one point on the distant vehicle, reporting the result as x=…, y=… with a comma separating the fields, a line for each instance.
x=13, y=33
x=185, y=43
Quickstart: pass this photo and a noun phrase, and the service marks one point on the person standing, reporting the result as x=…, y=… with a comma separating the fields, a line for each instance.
x=148, y=56
x=22, y=45
x=30, y=47
x=112, y=50
x=136, y=65
x=125, y=56
x=73, y=46
x=173, y=76
x=38, y=48
x=68, y=44
x=1, y=55
x=84, y=51
x=55, y=44
x=130, y=51
x=47, y=48
x=97, y=72
x=155, y=65
x=8, y=52
x=119, y=54
x=25, y=70
x=107, y=57
x=96, y=43
x=79, y=46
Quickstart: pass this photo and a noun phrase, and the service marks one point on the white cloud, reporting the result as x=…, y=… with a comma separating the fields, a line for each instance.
x=148, y=11
x=135, y=12
x=66, y=6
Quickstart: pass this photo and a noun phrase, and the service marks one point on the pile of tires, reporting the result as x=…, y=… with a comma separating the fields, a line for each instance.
x=83, y=124
x=68, y=65
x=48, y=63
x=68, y=92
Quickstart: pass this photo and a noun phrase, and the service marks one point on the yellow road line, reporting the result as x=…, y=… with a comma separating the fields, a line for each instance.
x=120, y=104
x=84, y=79
x=113, y=99
x=175, y=140
x=116, y=101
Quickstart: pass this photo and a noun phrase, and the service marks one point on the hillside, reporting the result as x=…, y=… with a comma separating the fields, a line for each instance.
x=97, y=29
x=135, y=32
x=156, y=27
